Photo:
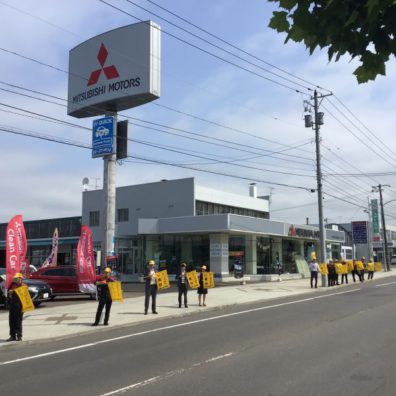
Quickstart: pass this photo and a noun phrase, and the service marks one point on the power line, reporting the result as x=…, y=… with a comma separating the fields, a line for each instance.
x=237, y=144
x=235, y=47
x=86, y=146
x=164, y=147
x=363, y=125
x=358, y=138
x=216, y=46
x=208, y=52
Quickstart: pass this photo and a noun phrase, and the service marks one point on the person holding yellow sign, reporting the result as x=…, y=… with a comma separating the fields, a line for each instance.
x=150, y=289
x=344, y=274
x=104, y=297
x=370, y=269
x=16, y=313
x=202, y=292
x=181, y=278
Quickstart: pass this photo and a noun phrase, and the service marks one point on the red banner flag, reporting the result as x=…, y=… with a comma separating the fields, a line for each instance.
x=86, y=276
x=16, y=247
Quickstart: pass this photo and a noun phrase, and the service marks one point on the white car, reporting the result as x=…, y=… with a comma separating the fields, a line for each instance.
x=102, y=131
x=393, y=260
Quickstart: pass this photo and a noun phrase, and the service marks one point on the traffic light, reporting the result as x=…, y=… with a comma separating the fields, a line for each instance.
x=122, y=140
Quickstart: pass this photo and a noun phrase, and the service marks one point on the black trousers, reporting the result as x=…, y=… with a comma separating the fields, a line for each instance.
x=344, y=276
x=370, y=275
x=182, y=291
x=314, y=276
x=354, y=273
x=15, y=321
x=151, y=292
x=102, y=303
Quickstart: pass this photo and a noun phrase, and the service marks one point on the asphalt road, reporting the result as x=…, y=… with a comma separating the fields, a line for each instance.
x=338, y=342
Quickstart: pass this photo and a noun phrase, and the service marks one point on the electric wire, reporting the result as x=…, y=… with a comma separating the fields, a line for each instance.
x=236, y=47
x=87, y=146
x=208, y=52
x=216, y=46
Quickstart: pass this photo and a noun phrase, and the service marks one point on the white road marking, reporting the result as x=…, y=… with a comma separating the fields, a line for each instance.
x=165, y=376
x=92, y=344
x=385, y=284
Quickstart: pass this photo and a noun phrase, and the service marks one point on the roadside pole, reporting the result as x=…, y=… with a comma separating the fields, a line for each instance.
x=322, y=235
x=109, y=205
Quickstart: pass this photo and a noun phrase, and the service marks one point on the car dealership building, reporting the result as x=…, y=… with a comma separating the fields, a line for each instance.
x=172, y=221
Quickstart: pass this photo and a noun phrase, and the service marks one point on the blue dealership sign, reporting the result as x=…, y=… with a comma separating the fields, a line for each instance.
x=103, y=142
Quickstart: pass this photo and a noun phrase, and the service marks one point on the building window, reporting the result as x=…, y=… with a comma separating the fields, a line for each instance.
x=207, y=208
x=123, y=215
x=94, y=218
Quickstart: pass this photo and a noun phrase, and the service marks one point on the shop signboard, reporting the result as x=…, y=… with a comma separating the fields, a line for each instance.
x=359, y=232
x=103, y=142
x=374, y=216
x=219, y=250
x=116, y=70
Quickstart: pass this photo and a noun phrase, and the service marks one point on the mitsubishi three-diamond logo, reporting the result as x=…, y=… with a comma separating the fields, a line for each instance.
x=109, y=71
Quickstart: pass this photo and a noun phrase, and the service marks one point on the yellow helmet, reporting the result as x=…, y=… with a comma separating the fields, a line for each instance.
x=108, y=270
x=18, y=275
x=204, y=267
x=151, y=262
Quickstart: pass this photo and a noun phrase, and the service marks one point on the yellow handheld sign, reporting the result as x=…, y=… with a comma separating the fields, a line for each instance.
x=162, y=280
x=192, y=278
x=24, y=295
x=338, y=268
x=370, y=267
x=323, y=269
x=208, y=280
x=115, y=291
x=378, y=266
x=359, y=265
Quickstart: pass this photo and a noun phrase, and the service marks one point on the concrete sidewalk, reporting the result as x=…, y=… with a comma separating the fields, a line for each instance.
x=49, y=321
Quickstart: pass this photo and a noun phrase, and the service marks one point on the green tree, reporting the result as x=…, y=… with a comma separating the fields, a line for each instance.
x=365, y=29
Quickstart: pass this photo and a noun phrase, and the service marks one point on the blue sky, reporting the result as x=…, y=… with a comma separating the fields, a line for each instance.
x=43, y=180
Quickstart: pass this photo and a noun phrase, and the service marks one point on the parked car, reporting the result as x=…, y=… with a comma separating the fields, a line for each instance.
x=393, y=260
x=39, y=291
x=62, y=279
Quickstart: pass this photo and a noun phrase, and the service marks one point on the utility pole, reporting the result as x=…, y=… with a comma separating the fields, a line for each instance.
x=318, y=116
x=384, y=238
x=370, y=231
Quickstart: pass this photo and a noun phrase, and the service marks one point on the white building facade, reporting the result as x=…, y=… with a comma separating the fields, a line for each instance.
x=174, y=221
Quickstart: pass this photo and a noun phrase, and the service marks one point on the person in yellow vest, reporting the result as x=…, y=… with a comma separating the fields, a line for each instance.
x=104, y=297
x=363, y=260
x=370, y=269
x=15, y=305
x=202, y=292
x=150, y=289
x=345, y=272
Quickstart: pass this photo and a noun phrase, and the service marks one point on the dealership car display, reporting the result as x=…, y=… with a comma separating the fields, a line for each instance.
x=62, y=279
x=39, y=291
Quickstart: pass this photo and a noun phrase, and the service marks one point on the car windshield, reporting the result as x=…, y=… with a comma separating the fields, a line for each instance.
x=2, y=271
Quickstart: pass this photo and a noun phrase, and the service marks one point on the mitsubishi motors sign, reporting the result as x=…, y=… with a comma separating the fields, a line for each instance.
x=114, y=71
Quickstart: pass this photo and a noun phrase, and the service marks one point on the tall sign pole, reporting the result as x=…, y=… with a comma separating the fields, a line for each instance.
x=109, y=189
x=111, y=72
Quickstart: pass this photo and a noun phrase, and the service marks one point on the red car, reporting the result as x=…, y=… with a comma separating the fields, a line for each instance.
x=62, y=279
